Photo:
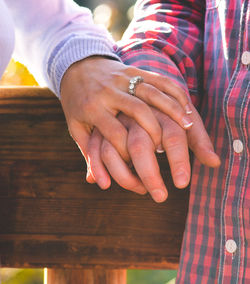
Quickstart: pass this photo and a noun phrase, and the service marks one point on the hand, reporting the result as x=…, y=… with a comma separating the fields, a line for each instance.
x=142, y=152
x=94, y=90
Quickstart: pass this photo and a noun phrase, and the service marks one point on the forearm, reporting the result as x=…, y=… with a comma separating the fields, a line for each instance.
x=52, y=35
x=167, y=38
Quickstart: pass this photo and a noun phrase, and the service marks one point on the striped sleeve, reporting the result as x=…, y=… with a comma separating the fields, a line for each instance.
x=52, y=35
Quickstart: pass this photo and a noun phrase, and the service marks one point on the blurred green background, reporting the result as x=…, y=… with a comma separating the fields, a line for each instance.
x=114, y=15
x=35, y=276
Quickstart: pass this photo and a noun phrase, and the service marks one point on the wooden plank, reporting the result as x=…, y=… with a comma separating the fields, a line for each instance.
x=51, y=217
x=86, y=276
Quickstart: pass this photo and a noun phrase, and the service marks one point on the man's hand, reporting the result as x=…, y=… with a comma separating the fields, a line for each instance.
x=104, y=158
x=95, y=90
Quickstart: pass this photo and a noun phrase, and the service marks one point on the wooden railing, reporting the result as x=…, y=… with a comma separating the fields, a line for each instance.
x=50, y=217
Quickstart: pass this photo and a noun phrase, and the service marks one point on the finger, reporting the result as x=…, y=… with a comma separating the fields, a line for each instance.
x=200, y=143
x=175, y=143
x=97, y=171
x=112, y=129
x=140, y=112
x=167, y=86
x=141, y=150
x=81, y=136
x=164, y=103
x=89, y=176
x=119, y=170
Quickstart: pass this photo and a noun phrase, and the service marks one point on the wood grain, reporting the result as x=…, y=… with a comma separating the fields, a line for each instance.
x=50, y=217
x=86, y=276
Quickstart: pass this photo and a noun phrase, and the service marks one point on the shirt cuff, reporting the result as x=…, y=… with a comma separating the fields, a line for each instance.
x=73, y=49
x=160, y=63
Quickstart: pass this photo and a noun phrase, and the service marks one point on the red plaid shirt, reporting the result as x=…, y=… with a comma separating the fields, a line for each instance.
x=204, y=46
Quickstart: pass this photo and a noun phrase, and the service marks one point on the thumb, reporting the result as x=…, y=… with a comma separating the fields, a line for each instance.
x=200, y=143
x=81, y=135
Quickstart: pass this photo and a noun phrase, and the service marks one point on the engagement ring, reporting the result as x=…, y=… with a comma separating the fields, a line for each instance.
x=133, y=82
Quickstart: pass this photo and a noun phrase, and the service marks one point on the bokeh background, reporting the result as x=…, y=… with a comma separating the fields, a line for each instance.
x=114, y=15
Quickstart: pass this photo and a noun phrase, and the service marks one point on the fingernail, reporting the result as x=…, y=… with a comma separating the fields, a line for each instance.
x=160, y=149
x=181, y=179
x=188, y=109
x=187, y=122
x=159, y=195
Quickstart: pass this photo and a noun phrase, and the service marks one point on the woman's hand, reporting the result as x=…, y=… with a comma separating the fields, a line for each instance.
x=95, y=90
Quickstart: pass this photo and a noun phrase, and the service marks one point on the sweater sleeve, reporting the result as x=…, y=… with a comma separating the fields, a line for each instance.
x=52, y=35
x=167, y=37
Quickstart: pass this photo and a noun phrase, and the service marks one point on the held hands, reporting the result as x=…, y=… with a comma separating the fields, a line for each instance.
x=95, y=90
x=104, y=158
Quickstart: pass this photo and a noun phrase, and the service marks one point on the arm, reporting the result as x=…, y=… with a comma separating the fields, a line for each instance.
x=164, y=37
x=60, y=43
x=52, y=35
x=167, y=37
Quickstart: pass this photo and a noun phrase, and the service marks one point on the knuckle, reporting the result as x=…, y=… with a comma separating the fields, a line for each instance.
x=176, y=110
x=118, y=133
x=165, y=121
x=130, y=70
x=93, y=146
x=148, y=93
x=178, y=166
x=172, y=141
x=136, y=147
x=180, y=93
x=150, y=179
x=117, y=77
x=152, y=93
x=106, y=151
x=140, y=108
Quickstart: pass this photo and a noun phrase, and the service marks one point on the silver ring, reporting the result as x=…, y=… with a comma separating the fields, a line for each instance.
x=133, y=82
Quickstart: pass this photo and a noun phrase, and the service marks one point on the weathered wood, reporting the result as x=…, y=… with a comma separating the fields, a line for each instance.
x=50, y=217
x=116, y=276
x=86, y=276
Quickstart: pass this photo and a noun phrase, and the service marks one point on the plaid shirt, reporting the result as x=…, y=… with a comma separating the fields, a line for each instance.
x=204, y=47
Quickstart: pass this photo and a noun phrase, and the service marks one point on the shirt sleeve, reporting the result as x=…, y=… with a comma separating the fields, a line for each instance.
x=52, y=35
x=166, y=37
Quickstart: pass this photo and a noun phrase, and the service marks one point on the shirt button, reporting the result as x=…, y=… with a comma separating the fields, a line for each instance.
x=231, y=246
x=245, y=58
x=238, y=146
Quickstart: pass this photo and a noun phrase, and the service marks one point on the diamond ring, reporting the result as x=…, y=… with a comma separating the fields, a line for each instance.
x=133, y=82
